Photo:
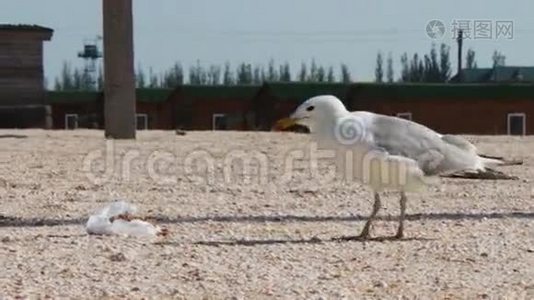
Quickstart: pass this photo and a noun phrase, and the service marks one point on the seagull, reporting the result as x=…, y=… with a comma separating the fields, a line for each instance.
x=386, y=152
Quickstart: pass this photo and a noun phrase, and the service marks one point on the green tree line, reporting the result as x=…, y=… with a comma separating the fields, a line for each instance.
x=72, y=78
x=434, y=66
x=430, y=67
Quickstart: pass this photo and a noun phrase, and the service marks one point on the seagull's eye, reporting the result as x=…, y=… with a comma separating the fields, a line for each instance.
x=310, y=108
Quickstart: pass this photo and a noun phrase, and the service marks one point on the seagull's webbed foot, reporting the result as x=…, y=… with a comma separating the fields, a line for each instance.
x=400, y=229
x=399, y=235
x=365, y=234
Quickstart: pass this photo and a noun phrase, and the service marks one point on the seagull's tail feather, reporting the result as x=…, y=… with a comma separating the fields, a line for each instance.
x=494, y=161
x=487, y=173
x=491, y=161
x=484, y=169
x=485, y=160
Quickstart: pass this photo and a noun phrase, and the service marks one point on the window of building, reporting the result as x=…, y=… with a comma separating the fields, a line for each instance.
x=517, y=124
x=71, y=121
x=141, y=121
x=219, y=122
x=405, y=115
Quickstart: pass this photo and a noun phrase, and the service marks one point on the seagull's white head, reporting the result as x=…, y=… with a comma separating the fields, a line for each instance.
x=314, y=112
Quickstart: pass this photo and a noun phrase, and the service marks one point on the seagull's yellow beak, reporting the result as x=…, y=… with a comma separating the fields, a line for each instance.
x=284, y=124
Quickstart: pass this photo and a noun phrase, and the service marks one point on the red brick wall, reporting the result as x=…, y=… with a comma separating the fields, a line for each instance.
x=455, y=116
x=472, y=116
x=200, y=111
x=268, y=109
x=81, y=109
x=160, y=114
x=204, y=109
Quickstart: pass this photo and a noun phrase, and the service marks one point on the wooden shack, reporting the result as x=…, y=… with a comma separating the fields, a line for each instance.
x=21, y=75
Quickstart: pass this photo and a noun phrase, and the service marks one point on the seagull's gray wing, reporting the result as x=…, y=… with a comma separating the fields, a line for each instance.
x=459, y=142
x=434, y=153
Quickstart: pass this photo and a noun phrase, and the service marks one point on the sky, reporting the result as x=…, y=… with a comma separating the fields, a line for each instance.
x=330, y=32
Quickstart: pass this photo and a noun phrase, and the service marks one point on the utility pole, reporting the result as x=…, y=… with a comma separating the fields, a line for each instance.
x=460, y=39
x=119, y=76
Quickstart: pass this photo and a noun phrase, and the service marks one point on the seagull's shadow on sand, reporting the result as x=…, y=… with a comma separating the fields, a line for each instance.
x=348, y=218
x=12, y=136
x=10, y=221
x=314, y=240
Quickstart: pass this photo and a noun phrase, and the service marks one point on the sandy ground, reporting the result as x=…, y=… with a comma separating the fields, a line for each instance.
x=246, y=236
